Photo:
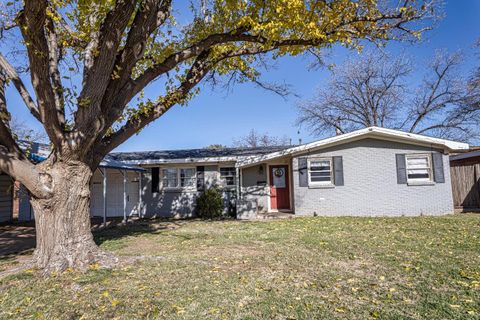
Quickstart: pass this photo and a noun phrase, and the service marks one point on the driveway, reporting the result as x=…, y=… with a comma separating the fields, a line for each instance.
x=16, y=238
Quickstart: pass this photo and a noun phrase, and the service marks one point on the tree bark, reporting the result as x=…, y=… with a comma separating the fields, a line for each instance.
x=64, y=237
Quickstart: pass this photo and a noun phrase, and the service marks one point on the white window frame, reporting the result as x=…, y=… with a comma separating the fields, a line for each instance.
x=429, y=168
x=224, y=180
x=179, y=178
x=193, y=178
x=320, y=183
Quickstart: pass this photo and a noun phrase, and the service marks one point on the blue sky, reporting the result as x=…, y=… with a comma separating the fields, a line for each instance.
x=218, y=117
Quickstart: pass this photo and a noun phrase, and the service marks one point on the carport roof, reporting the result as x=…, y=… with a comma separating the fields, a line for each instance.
x=40, y=151
x=110, y=163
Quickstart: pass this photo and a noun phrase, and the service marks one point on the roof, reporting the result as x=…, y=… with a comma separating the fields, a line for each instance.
x=466, y=155
x=373, y=132
x=192, y=155
x=249, y=156
x=109, y=163
x=39, y=152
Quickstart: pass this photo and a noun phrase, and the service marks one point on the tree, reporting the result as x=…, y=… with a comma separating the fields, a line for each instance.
x=115, y=49
x=365, y=91
x=22, y=132
x=469, y=110
x=436, y=101
x=374, y=90
x=255, y=139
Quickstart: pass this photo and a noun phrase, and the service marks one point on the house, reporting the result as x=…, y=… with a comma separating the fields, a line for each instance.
x=371, y=172
x=465, y=175
x=368, y=172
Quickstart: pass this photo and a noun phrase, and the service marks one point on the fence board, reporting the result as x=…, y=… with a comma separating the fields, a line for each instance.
x=466, y=185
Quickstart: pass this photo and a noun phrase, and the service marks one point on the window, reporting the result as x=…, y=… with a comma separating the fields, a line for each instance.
x=178, y=178
x=228, y=175
x=320, y=172
x=169, y=178
x=419, y=168
x=187, y=178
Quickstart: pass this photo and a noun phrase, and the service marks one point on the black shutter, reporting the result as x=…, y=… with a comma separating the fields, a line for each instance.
x=302, y=172
x=200, y=178
x=155, y=179
x=401, y=169
x=438, y=172
x=338, y=170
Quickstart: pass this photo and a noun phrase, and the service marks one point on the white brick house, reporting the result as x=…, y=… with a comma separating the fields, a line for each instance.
x=369, y=172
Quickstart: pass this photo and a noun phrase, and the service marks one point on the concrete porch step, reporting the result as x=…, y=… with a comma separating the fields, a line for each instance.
x=275, y=215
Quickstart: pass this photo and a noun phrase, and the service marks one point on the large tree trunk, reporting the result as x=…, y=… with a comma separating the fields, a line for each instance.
x=64, y=237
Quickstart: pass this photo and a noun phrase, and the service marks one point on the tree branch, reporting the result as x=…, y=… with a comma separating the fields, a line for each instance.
x=33, y=22
x=6, y=137
x=37, y=182
x=55, y=77
x=12, y=75
x=197, y=72
x=151, y=15
x=12, y=159
x=101, y=60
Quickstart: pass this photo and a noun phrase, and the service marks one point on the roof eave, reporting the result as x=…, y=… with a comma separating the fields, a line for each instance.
x=213, y=160
x=382, y=133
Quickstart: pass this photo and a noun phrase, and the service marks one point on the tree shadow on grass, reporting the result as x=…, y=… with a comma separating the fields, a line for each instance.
x=118, y=230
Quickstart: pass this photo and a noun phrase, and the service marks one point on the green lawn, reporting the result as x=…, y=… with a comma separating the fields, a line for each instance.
x=305, y=268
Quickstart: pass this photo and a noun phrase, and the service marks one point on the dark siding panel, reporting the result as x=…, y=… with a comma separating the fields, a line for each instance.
x=155, y=179
x=302, y=172
x=338, y=170
x=200, y=178
x=438, y=171
x=401, y=169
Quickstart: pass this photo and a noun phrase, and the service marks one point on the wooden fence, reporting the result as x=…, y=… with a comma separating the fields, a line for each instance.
x=466, y=184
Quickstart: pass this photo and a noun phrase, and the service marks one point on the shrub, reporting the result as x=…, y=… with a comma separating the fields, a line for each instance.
x=210, y=204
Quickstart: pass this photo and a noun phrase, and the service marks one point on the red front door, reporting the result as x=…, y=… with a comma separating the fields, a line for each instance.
x=279, y=188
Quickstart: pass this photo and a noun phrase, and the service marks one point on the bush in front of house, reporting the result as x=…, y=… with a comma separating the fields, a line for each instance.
x=210, y=204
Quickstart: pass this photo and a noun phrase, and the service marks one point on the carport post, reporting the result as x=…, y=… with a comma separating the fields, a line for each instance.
x=124, y=173
x=104, y=173
x=140, y=203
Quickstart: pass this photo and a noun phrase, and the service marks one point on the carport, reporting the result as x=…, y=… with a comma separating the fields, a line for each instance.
x=116, y=190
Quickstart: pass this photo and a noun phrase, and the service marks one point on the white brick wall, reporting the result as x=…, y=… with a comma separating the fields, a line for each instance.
x=371, y=187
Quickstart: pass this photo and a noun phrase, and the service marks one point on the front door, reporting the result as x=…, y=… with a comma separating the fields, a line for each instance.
x=279, y=188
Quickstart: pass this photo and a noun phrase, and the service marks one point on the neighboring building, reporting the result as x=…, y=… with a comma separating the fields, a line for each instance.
x=369, y=172
x=465, y=173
